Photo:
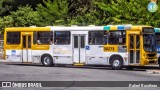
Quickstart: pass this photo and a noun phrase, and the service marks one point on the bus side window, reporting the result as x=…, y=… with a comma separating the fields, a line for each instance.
x=117, y=37
x=62, y=37
x=50, y=39
x=38, y=41
x=34, y=37
x=105, y=37
x=111, y=37
x=43, y=37
x=38, y=38
x=91, y=41
x=13, y=38
x=96, y=37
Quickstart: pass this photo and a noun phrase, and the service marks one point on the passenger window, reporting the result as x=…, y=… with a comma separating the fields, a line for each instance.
x=43, y=37
x=117, y=37
x=158, y=39
x=13, y=38
x=62, y=37
x=97, y=38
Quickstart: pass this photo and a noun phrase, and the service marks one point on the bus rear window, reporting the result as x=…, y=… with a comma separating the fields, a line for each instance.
x=61, y=37
x=13, y=38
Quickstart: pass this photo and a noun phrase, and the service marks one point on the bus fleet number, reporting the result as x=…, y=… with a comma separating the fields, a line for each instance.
x=109, y=48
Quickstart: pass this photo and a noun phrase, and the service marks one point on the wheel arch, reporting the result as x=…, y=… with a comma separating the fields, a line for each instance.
x=46, y=54
x=115, y=55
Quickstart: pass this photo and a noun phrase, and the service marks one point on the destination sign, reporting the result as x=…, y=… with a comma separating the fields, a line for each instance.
x=148, y=30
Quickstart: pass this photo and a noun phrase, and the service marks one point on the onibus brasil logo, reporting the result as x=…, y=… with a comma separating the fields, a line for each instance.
x=152, y=7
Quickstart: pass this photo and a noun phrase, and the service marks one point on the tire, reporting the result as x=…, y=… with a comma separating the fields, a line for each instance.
x=116, y=63
x=47, y=60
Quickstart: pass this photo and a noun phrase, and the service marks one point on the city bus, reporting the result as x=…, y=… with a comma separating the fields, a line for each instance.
x=117, y=46
x=157, y=33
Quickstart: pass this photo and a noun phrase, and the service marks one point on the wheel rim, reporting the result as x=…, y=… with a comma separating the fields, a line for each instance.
x=46, y=60
x=116, y=63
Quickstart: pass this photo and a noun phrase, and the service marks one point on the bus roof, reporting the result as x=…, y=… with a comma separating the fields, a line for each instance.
x=82, y=28
x=28, y=29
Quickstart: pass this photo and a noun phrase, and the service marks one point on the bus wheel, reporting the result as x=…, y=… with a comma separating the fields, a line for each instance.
x=47, y=60
x=116, y=63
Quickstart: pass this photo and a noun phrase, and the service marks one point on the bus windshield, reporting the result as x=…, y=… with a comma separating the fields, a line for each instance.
x=149, y=42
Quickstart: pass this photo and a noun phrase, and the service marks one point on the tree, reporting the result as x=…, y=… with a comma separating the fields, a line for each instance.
x=32, y=3
x=23, y=17
x=130, y=11
x=5, y=7
x=53, y=12
x=6, y=21
x=84, y=12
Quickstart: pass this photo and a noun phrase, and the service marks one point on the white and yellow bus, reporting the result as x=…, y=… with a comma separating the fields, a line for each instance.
x=115, y=45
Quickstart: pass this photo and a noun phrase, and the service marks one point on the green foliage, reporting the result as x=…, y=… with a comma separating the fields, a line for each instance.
x=53, y=12
x=130, y=11
x=23, y=17
x=6, y=21
x=5, y=7
x=84, y=12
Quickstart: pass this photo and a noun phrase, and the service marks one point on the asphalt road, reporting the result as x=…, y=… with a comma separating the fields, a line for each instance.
x=25, y=72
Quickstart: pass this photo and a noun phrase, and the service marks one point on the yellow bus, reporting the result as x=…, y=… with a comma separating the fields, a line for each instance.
x=114, y=45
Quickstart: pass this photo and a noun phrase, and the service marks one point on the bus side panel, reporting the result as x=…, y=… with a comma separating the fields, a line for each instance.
x=37, y=52
x=95, y=55
x=14, y=55
x=124, y=56
x=62, y=54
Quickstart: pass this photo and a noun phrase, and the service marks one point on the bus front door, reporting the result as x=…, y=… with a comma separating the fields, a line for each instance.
x=79, y=48
x=134, y=49
x=26, y=48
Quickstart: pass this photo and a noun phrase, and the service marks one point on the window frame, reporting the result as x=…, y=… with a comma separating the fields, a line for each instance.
x=35, y=37
x=13, y=38
x=123, y=37
x=54, y=38
x=89, y=37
